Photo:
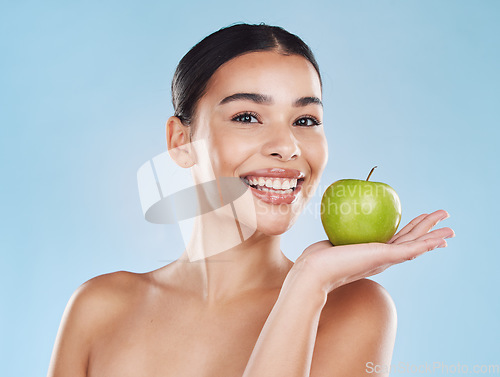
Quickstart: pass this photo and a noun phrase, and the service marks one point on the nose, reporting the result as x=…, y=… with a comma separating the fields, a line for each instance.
x=281, y=143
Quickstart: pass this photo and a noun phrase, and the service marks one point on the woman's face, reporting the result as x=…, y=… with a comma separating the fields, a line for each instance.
x=261, y=118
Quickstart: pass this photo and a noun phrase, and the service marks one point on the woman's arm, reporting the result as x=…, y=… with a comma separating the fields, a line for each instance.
x=71, y=348
x=286, y=343
x=357, y=327
x=90, y=310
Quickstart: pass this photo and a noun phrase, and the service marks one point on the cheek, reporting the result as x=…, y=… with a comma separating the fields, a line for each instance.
x=228, y=151
x=324, y=155
x=317, y=157
x=317, y=154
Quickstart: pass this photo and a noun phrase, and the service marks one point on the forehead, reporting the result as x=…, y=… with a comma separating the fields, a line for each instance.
x=268, y=72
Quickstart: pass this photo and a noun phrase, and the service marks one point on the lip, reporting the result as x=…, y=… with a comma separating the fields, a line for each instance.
x=272, y=197
x=276, y=173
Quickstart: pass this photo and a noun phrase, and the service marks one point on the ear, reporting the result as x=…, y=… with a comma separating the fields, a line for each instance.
x=179, y=143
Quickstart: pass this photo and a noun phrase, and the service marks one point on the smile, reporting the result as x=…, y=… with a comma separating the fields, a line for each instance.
x=267, y=184
x=276, y=185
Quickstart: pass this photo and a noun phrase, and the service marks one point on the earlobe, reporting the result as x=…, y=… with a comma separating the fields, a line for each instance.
x=179, y=142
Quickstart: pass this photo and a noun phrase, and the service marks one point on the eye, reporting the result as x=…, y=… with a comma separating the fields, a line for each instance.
x=246, y=117
x=307, y=121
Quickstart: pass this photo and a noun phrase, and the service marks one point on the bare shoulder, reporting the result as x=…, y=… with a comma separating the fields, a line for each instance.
x=357, y=326
x=362, y=299
x=114, y=286
x=92, y=307
x=102, y=295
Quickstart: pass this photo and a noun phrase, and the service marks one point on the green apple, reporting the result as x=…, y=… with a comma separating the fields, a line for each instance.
x=357, y=211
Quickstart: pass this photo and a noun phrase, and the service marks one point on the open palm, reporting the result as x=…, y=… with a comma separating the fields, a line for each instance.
x=333, y=266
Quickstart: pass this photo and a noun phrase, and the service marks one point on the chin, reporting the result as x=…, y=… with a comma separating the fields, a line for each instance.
x=274, y=225
x=267, y=218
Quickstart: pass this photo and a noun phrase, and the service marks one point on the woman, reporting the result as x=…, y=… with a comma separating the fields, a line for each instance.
x=252, y=95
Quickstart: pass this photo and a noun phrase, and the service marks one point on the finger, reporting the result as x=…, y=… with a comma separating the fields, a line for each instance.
x=439, y=233
x=423, y=226
x=372, y=258
x=408, y=227
x=410, y=250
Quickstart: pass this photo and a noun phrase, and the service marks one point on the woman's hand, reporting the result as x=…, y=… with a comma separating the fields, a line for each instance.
x=327, y=267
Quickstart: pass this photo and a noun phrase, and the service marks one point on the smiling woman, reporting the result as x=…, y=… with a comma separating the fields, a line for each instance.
x=252, y=94
x=261, y=119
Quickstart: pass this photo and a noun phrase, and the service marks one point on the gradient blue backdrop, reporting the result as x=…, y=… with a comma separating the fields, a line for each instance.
x=410, y=86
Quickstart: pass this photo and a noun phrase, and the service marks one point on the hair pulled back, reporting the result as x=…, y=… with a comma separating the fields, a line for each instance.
x=197, y=67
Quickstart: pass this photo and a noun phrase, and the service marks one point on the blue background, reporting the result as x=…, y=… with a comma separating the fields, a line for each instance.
x=410, y=86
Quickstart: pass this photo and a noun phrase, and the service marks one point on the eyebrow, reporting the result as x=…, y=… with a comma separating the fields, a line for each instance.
x=267, y=100
x=304, y=101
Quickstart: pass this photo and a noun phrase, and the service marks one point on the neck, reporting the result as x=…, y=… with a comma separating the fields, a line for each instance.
x=256, y=264
x=220, y=263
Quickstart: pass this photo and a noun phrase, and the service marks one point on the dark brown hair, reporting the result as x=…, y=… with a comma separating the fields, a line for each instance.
x=197, y=67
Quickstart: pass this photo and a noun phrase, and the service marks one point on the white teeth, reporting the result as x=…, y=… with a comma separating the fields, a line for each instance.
x=289, y=191
x=277, y=185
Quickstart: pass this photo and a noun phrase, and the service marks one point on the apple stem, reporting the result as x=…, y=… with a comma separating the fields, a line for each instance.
x=371, y=171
